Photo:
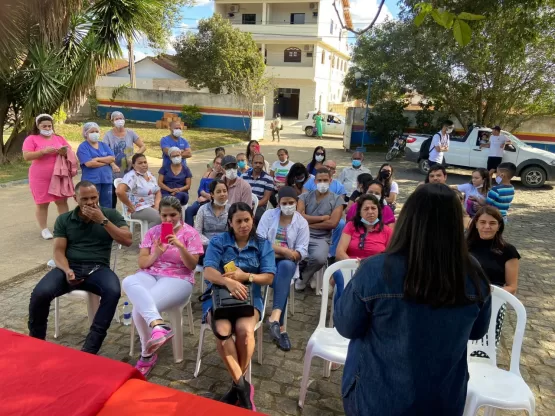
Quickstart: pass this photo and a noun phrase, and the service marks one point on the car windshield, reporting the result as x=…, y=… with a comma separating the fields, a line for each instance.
x=515, y=139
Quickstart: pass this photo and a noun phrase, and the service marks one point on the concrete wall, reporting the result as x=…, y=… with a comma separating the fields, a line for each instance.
x=275, y=55
x=280, y=13
x=326, y=14
x=218, y=111
x=113, y=81
x=147, y=69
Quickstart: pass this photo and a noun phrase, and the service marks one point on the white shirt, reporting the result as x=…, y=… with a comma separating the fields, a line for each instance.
x=469, y=190
x=394, y=188
x=142, y=192
x=441, y=141
x=348, y=178
x=495, y=142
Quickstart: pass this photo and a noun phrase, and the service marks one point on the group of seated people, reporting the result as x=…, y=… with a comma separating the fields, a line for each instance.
x=292, y=241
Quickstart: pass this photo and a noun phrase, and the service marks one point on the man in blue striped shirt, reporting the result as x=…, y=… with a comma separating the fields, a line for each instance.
x=502, y=194
x=261, y=183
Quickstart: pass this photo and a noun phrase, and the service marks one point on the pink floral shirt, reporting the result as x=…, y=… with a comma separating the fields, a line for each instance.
x=169, y=264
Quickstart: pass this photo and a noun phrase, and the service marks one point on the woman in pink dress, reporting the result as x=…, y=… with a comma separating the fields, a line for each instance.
x=42, y=147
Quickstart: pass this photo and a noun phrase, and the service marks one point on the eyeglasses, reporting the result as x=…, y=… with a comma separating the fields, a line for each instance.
x=361, y=241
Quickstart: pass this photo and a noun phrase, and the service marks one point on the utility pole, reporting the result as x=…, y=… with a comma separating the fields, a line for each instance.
x=131, y=53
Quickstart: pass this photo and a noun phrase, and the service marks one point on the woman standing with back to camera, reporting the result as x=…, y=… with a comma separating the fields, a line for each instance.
x=406, y=357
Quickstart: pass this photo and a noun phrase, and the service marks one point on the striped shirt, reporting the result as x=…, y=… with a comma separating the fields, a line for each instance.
x=500, y=197
x=259, y=185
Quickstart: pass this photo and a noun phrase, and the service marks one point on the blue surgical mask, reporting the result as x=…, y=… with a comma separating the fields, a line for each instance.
x=499, y=179
x=366, y=222
x=356, y=163
x=242, y=164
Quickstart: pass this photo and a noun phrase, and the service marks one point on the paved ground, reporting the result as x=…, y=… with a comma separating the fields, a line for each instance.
x=277, y=380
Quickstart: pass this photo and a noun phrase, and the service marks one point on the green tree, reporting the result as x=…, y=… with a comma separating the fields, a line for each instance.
x=427, y=118
x=504, y=76
x=386, y=120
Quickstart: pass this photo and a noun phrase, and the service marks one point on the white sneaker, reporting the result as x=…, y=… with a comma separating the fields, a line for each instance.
x=46, y=234
x=300, y=284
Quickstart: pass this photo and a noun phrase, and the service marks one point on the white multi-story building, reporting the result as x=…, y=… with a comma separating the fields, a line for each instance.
x=304, y=47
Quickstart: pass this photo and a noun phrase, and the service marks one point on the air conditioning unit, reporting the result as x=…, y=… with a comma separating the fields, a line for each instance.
x=234, y=8
x=313, y=6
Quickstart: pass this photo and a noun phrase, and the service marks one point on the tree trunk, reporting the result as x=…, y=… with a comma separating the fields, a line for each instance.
x=131, y=51
x=12, y=149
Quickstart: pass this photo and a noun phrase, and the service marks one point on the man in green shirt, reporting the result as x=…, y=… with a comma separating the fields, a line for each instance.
x=82, y=247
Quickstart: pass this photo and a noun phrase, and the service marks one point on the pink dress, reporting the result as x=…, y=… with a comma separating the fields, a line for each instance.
x=41, y=170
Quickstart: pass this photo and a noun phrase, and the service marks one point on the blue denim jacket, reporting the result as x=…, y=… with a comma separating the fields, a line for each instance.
x=404, y=358
x=256, y=257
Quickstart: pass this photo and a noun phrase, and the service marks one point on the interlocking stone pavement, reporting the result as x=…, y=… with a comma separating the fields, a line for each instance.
x=277, y=380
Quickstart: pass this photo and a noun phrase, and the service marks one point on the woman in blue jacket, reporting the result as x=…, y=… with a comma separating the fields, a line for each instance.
x=410, y=313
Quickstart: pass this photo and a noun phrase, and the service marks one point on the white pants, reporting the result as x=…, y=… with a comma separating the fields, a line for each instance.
x=151, y=295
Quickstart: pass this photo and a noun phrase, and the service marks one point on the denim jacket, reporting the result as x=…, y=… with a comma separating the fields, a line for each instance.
x=404, y=358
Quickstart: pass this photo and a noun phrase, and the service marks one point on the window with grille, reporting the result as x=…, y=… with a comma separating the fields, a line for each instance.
x=249, y=19
x=292, y=55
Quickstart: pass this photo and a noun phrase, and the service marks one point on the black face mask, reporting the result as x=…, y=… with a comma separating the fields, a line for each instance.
x=384, y=174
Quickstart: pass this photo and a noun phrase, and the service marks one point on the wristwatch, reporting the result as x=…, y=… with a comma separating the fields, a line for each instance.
x=251, y=277
x=104, y=222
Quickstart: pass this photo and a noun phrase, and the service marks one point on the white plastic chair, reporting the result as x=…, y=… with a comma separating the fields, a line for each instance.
x=206, y=326
x=254, y=203
x=199, y=270
x=176, y=321
x=326, y=343
x=126, y=217
x=489, y=385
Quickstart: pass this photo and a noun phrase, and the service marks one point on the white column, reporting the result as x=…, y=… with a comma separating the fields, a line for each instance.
x=264, y=13
x=263, y=51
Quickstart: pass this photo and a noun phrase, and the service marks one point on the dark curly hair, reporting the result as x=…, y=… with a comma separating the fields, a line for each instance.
x=357, y=219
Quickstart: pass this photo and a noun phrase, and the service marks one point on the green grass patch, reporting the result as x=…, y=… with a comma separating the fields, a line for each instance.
x=13, y=171
x=199, y=139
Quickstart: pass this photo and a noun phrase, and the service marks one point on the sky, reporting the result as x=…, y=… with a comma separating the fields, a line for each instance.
x=362, y=13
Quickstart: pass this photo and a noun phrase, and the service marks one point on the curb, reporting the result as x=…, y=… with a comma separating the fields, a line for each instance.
x=19, y=276
x=14, y=183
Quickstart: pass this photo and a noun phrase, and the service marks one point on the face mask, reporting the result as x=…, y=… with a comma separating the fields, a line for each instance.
x=356, y=163
x=288, y=209
x=499, y=179
x=450, y=130
x=119, y=123
x=379, y=196
x=231, y=174
x=94, y=137
x=319, y=158
x=366, y=222
x=242, y=164
x=384, y=174
x=177, y=160
x=46, y=133
x=323, y=187
x=220, y=204
x=177, y=132
x=479, y=186
x=284, y=160
x=299, y=180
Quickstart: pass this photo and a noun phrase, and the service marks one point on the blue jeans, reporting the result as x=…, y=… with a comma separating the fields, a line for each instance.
x=104, y=194
x=336, y=236
x=285, y=270
x=103, y=283
x=190, y=213
x=339, y=285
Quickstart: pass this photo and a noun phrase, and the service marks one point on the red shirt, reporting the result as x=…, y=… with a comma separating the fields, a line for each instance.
x=374, y=243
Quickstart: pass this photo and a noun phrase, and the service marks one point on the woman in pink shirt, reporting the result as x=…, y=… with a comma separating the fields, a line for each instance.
x=377, y=189
x=42, y=147
x=166, y=280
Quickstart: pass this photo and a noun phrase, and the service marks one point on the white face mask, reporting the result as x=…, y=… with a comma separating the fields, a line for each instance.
x=220, y=204
x=94, y=137
x=288, y=209
x=319, y=158
x=46, y=133
x=177, y=160
x=322, y=187
x=450, y=130
x=479, y=186
x=231, y=174
x=177, y=132
x=119, y=123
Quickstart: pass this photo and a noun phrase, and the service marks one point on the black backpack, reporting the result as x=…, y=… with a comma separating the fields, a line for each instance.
x=425, y=147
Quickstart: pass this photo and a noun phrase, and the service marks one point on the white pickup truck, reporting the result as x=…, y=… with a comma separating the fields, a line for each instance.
x=534, y=166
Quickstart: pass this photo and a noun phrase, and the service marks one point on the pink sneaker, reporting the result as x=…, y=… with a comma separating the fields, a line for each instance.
x=145, y=366
x=159, y=337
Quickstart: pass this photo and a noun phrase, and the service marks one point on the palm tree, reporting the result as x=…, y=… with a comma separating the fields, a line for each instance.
x=51, y=52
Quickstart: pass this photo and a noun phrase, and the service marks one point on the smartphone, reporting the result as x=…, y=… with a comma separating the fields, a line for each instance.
x=230, y=267
x=167, y=229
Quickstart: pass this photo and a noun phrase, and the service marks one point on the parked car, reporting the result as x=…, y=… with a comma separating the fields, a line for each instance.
x=534, y=166
x=334, y=123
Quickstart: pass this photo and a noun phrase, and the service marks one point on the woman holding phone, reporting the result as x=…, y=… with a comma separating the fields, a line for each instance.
x=251, y=261
x=42, y=147
x=167, y=261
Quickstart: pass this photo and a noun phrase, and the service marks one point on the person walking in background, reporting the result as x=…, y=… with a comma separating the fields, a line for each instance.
x=275, y=126
x=318, y=156
x=175, y=179
x=140, y=193
x=297, y=177
x=203, y=192
x=400, y=307
x=288, y=232
x=476, y=191
x=175, y=139
x=496, y=149
x=318, y=124
x=96, y=159
x=165, y=280
x=42, y=148
x=349, y=175
x=122, y=142
x=262, y=185
x=390, y=187
x=440, y=144
x=501, y=195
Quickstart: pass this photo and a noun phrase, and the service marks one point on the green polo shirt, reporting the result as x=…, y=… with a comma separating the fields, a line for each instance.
x=87, y=242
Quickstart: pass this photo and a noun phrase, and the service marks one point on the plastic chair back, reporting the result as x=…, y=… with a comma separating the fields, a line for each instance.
x=348, y=268
x=499, y=298
x=254, y=203
x=126, y=216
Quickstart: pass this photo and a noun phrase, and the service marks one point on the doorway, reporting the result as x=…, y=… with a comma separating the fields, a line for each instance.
x=286, y=102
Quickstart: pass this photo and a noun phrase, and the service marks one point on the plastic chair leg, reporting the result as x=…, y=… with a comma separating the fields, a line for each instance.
x=249, y=372
x=203, y=328
x=291, y=302
x=259, y=342
x=132, y=341
x=490, y=411
x=56, y=318
x=319, y=276
x=176, y=320
x=190, y=318
x=285, y=317
x=306, y=374
x=327, y=369
x=93, y=302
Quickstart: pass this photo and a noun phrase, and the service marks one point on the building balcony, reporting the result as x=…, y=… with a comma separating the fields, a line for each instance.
x=276, y=31
x=292, y=72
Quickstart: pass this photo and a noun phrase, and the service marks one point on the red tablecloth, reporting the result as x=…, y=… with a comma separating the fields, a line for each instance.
x=140, y=398
x=41, y=378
